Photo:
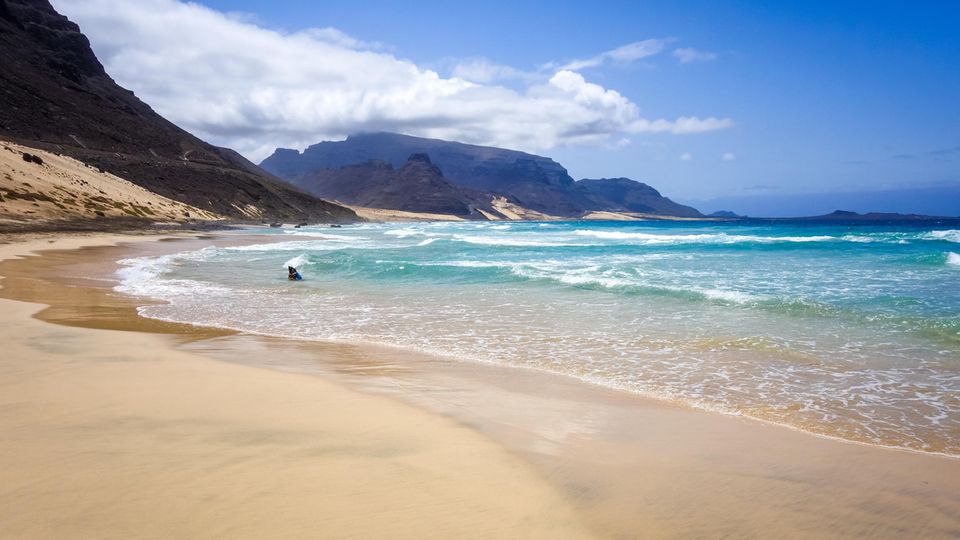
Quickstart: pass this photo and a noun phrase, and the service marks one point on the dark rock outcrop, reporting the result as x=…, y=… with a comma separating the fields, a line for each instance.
x=626, y=195
x=57, y=96
x=417, y=186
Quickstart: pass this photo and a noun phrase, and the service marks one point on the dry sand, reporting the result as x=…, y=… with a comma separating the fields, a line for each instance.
x=387, y=215
x=60, y=188
x=107, y=434
x=604, y=215
x=509, y=211
x=122, y=433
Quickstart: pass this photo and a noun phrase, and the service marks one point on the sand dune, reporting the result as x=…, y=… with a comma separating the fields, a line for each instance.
x=49, y=188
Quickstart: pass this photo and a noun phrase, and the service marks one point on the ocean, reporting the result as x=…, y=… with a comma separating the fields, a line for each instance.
x=844, y=331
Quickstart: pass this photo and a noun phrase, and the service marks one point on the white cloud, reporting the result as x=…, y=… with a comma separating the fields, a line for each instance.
x=482, y=70
x=627, y=53
x=237, y=84
x=689, y=54
x=686, y=156
x=728, y=156
x=338, y=37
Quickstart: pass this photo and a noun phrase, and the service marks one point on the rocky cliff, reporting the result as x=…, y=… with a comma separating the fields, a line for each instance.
x=626, y=195
x=533, y=182
x=417, y=186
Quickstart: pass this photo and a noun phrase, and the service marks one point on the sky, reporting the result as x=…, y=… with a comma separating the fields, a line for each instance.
x=710, y=102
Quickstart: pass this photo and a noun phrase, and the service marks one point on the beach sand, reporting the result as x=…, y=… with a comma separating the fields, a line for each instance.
x=107, y=434
x=143, y=433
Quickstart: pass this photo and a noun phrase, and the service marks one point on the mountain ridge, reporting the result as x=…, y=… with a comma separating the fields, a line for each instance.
x=417, y=186
x=527, y=180
x=59, y=98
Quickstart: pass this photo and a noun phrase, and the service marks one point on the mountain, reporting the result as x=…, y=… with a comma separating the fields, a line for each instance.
x=529, y=181
x=417, y=186
x=534, y=182
x=57, y=96
x=626, y=195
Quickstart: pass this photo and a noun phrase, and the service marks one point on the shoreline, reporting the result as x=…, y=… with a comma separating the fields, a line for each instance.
x=680, y=452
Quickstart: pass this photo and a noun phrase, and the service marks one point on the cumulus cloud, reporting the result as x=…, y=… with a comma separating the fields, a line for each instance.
x=728, y=156
x=689, y=54
x=237, y=84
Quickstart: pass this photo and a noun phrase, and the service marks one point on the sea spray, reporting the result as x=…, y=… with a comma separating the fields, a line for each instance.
x=298, y=261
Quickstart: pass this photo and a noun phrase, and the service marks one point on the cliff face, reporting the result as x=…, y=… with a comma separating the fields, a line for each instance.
x=57, y=96
x=626, y=195
x=534, y=182
x=417, y=186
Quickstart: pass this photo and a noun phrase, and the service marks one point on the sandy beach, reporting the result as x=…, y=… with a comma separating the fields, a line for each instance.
x=165, y=430
x=112, y=434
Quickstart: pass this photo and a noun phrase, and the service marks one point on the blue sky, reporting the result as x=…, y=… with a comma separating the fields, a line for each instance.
x=788, y=98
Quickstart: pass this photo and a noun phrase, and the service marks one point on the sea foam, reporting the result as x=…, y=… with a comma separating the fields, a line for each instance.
x=717, y=238
x=950, y=235
x=298, y=261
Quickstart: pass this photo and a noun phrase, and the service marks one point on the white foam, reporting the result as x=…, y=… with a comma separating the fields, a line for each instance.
x=304, y=245
x=510, y=242
x=950, y=235
x=714, y=238
x=471, y=264
x=298, y=261
x=736, y=297
x=403, y=233
x=427, y=242
x=953, y=259
x=142, y=276
x=324, y=236
x=858, y=239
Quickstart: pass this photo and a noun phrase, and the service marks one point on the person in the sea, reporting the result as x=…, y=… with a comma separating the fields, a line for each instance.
x=292, y=274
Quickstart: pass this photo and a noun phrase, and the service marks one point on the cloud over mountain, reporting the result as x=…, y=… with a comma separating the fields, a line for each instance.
x=237, y=84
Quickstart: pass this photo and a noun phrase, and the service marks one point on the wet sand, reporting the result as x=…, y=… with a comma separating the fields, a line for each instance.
x=603, y=462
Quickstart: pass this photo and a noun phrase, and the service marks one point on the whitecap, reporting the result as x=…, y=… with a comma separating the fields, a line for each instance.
x=950, y=235
x=510, y=242
x=403, y=233
x=715, y=238
x=736, y=297
x=142, y=276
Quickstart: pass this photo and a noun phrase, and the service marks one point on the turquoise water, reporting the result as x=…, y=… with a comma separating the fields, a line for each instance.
x=850, y=332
